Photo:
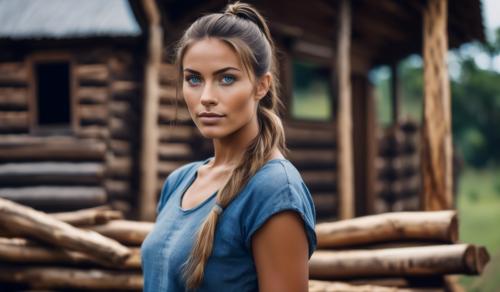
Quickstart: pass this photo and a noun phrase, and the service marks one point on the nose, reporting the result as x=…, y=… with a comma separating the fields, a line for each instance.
x=208, y=97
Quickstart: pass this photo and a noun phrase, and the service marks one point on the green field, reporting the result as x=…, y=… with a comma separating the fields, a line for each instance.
x=479, y=221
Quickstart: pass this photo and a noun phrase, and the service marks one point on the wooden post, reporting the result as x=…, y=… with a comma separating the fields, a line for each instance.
x=344, y=121
x=436, y=131
x=395, y=96
x=150, y=131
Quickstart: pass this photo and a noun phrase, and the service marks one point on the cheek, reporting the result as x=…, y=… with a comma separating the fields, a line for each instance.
x=190, y=96
x=241, y=102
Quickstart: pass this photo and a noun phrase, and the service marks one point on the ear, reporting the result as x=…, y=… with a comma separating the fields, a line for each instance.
x=263, y=85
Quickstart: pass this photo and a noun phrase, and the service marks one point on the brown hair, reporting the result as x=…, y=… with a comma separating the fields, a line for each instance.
x=243, y=28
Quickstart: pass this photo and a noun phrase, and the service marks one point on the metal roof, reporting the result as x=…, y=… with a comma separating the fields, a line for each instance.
x=62, y=19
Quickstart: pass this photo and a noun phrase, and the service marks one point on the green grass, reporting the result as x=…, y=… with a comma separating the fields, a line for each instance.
x=479, y=220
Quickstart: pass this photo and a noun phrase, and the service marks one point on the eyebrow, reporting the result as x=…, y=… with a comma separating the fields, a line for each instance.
x=215, y=73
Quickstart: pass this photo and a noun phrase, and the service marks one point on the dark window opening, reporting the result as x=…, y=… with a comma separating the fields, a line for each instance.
x=53, y=94
x=312, y=92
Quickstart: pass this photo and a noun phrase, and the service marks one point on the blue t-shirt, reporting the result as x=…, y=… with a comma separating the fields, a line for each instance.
x=276, y=187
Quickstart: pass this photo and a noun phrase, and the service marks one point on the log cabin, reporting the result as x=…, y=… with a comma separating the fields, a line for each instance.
x=88, y=110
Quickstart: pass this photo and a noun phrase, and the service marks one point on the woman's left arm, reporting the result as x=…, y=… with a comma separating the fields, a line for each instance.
x=280, y=251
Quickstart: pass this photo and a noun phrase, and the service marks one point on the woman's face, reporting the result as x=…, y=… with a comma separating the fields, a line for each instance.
x=218, y=92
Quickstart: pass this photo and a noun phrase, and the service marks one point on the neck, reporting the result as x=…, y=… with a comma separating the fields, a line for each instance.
x=230, y=149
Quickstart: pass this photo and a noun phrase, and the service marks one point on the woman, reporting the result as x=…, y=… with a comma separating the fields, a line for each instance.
x=242, y=220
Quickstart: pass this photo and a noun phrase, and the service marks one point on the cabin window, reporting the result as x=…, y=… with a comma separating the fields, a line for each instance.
x=53, y=94
x=312, y=91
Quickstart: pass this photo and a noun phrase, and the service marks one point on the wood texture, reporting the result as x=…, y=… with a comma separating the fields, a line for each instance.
x=405, y=261
x=90, y=216
x=72, y=278
x=436, y=129
x=46, y=228
x=128, y=232
x=344, y=122
x=151, y=100
x=426, y=226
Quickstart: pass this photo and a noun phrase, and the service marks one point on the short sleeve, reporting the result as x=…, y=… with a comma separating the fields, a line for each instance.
x=265, y=203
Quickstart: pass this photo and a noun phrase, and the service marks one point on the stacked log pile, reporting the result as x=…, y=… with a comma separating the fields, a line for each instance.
x=96, y=249
x=92, y=249
x=410, y=251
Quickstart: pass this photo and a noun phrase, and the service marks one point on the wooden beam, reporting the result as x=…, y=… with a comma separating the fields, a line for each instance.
x=150, y=130
x=436, y=130
x=345, y=153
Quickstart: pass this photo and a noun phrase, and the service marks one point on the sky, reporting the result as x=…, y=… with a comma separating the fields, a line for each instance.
x=491, y=18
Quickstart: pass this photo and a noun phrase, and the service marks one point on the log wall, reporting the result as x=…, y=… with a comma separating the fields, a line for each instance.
x=93, y=165
x=397, y=166
x=180, y=142
x=14, y=90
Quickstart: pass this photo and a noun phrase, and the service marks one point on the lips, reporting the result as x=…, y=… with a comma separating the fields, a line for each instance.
x=210, y=115
x=210, y=118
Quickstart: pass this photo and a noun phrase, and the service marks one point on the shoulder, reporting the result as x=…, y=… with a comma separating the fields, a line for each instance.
x=279, y=179
x=275, y=188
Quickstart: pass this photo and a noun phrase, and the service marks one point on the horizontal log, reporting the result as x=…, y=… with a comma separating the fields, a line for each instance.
x=426, y=226
x=13, y=98
x=406, y=203
x=93, y=132
x=131, y=233
x=325, y=203
x=23, y=251
x=405, y=261
x=177, y=133
x=167, y=167
x=30, y=148
x=121, y=109
x=13, y=121
x=301, y=136
x=327, y=286
x=56, y=197
x=120, y=147
x=313, y=158
x=320, y=180
x=168, y=74
x=39, y=225
x=71, y=278
x=168, y=97
x=124, y=88
x=29, y=173
x=118, y=189
x=93, y=114
x=92, y=94
x=168, y=114
x=402, y=188
x=90, y=216
x=175, y=151
x=118, y=167
x=121, y=128
x=13, y=72
x=92, y=73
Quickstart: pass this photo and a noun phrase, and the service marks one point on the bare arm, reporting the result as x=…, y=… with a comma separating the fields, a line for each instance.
x=280, y=251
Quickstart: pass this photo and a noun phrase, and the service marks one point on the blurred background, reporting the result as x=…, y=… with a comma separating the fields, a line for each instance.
x=89, y=113
x=474, y=70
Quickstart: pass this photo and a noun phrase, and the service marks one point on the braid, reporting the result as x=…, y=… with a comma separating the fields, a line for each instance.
x=243, y=28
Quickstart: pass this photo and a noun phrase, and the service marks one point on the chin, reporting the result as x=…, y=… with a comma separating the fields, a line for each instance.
x=212, y=133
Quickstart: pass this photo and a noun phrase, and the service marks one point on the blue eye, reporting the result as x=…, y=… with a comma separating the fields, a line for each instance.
x=228, y=79
x=193, y=80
